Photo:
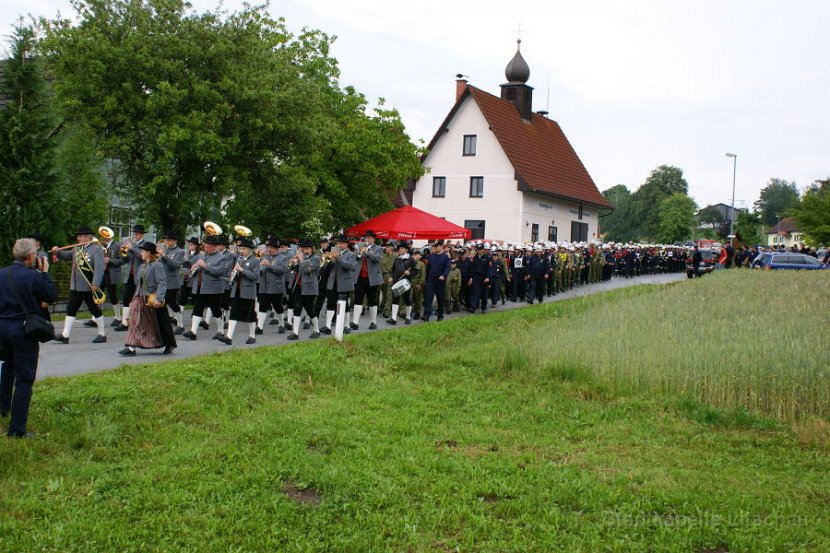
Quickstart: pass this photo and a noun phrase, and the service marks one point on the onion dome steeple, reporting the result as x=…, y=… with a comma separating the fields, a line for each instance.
x=516, y=90
x=517, y=70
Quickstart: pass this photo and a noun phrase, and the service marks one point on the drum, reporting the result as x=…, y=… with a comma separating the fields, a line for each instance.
x=401, y=287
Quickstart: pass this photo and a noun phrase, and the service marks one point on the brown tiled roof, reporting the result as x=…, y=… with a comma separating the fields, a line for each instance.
x=785, y=226
x=544, y=160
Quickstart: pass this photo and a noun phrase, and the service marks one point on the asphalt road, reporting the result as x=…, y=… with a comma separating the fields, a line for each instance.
x=81, y=356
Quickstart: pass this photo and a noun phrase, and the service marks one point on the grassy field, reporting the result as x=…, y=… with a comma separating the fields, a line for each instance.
x=505, y=432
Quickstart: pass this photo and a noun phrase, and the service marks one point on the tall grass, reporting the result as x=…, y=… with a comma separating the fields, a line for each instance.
x=736, y=339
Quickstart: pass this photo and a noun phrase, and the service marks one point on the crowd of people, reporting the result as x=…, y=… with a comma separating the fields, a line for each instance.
x=295, y=285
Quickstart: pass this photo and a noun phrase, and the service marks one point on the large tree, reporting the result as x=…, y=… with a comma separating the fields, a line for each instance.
x=212, y=113
x=49, y=178
x=618, y=226
x=813, y=213
x=776, y=198
x=749, y=228
x=662, y=183
x=676, y=216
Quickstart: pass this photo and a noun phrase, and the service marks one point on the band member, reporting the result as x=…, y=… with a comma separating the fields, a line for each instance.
x=190, y=256
x=230, y=261
x=403, y=267
x=325, y=271
x=87, y=274
x=341, y=281
x=171, y=257
x=149, y=323
x=208, y=285
x=272, y=270
x=369, y=280
x=132, y=261
x=304, y=288
x=113, y=262
x=243, y=281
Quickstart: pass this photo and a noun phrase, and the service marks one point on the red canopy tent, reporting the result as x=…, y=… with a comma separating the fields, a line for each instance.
x=409, y=223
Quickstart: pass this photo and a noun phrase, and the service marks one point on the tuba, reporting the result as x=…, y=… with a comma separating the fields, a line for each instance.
x=242, y=230
x=211, y=228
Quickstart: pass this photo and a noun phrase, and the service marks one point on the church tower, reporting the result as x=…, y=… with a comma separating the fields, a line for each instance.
x=516, y=90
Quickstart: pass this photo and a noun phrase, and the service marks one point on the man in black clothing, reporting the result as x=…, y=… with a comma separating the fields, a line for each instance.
x=22, y=290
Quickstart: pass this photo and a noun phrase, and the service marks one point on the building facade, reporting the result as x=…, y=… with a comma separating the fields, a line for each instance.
x=507, y=173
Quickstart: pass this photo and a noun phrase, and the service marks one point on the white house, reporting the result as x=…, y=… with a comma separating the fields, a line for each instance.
x=505, y=172
x=785, y=233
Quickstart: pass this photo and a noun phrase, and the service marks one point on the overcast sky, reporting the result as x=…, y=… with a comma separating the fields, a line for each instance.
x=634, y=83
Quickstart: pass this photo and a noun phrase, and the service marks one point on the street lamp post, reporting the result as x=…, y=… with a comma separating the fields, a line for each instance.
x=732, y=209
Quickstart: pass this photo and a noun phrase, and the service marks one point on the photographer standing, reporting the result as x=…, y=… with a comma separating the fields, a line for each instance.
x=19, y=352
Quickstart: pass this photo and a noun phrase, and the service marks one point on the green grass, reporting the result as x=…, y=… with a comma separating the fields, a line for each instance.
x=444, y=437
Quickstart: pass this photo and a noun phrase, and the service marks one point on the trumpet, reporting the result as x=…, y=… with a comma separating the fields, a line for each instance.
x=126, y=245
x=98, y=296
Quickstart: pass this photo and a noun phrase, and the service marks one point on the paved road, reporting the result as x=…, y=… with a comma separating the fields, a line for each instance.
x=81, y=356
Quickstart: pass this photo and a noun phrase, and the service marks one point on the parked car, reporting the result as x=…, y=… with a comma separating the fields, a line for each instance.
x=787, y=261
x=707, y=265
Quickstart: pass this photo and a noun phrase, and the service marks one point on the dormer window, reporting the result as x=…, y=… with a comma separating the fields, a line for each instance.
x=469, y=144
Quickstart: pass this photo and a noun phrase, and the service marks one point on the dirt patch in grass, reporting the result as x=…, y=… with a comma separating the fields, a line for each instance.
x=306, y=496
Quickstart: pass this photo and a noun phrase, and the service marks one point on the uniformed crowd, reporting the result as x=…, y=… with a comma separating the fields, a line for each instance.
x=296, y=284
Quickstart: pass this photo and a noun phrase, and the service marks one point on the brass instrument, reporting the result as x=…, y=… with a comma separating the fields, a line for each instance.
x=77, y=244
x=126, y=245
x=153, y=302
x=211, y=228
x=106, y=232
x=241, y=230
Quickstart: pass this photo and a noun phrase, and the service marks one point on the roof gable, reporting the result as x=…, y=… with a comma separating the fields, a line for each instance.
x=543, y=158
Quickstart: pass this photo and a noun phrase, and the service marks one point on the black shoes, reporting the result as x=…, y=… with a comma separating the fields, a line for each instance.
x=440, y=318
x=121, y=327
x=225, y=340
x=168, y=350
x=354, y=326
x=61, y=338
x=407, y=321
x=293, y=336
x=372, y=326
x=258, y=331
x=281, y=329
x=314, y=335
x=306, y=325
x=204, y=325
x=100, y=339
x=115, y=322
x=325, y=330
x=179, y=330
x=391, y=322
x=189, y=335
x=218, y=336
x=250, y=341
x=274, y=322
x=89, y=323
x=127, y=352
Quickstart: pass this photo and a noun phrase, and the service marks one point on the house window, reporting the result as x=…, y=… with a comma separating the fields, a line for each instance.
x=580, y=213
x=476, y=187
x=469, y=144
x=534, y=232
x=579, y=232
x=477, y=228
x=119, y=222
x=439, y=187
x=551, y=234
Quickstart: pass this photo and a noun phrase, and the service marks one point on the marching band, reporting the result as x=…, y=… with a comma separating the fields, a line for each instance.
x=296, y=282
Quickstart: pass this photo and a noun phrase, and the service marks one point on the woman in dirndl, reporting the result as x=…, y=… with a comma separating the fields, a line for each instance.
x=149, y=323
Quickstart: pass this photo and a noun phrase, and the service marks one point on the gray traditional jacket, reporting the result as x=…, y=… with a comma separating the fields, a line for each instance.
x=272, y=276
x=244, y=286
x=344, y=272
x=93, y=256
x=372, y=257
x=151, y=279
x=172, y=261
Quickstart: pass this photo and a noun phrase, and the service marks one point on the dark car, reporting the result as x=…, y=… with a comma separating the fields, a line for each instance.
x=787, y=261
x=707, y=265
